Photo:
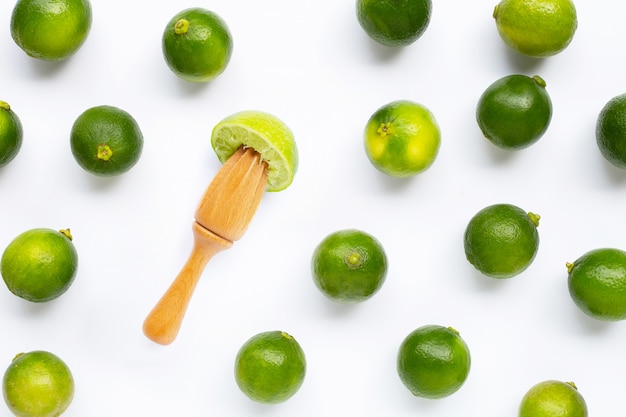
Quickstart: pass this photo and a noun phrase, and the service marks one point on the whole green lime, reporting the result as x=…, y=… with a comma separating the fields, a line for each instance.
x=266, y=134
x=553, y=399
x=270, y=367
x=597, y=283
x=51, y=30
x=514, y=111
x=106, y=141
x=40, y=265
x=197, y=45
x=611, y=131
x=349, y=266
x=11, y=134
x=536, y=28
x=402, y=138
x=433, y=361
x=394, y=22
x=501, y=240
x=38, y=384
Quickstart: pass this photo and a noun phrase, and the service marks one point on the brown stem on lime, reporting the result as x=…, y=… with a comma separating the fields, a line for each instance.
x=66, y=233
x=181, y=27
x=569, y=267
x=534, y=218
x=104, y=152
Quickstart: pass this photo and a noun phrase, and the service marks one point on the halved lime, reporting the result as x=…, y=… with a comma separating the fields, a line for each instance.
x=264, y=133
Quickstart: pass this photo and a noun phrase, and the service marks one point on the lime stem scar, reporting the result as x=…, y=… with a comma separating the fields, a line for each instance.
x=385, y=129
x=104, y=152
x=4, y=105
x=181, y=27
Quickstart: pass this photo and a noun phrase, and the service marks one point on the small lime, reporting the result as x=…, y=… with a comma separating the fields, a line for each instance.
x=597, y=283
x=394, y=22
x=553, y=399
x=197, y=45
x=270, y=367
x=40, y=265
x=38, y=384
x=51, y=30
x=402, y=138
x=501, y=240
x=536, y=28
x=433, y=361
x=514, y=111
x=11, y=134
x=349, y=266
x=264, y=133
x=611, y=131
x=106, y=141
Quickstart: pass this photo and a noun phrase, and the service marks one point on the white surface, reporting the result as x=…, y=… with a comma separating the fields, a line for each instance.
x=311, y=64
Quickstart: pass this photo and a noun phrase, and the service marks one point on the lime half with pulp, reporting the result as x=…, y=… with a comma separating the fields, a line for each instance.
x=264, y=133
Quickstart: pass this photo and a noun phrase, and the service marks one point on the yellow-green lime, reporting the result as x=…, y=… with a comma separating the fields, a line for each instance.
x=597, y=283
x=536, y=28
x=394, y=22
x=402, y=138
x=433, y=361
x=266, y=134
x=38, y=384
x=611, y=131
x=270, y=367
x=40, y=264
x=501, y=240
x=51, y=30
x=553, y=399
x=349, y=266
x=11, y=134
x=106, y=141
x=515, y=111
x=197, y=45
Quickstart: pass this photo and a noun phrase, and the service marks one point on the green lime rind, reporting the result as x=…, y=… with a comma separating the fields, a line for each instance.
x=597, y=283
x=611, y=130
x=433, y=361
x=395, y=23
x=11, y=134
x=51, y=30
x=552, y=398
x=264, y=133
x=270, y=367
x=38, y=383
x=39, y=265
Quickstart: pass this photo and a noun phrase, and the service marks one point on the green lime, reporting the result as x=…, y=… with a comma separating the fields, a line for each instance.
x=514, y=111
x=553, y=399
x=40, y=264
x=611, y=131
x=597, y=283
x=349, y=266
x=433, y=361
x=11, y=134
x=51, y=30
x=197, y=45
x=402, y=138
x=106, y=141
x=501, y=240
x=264, y=133
x=536, y=28
x=394, y=22
x=270, y=367
x=38, y=384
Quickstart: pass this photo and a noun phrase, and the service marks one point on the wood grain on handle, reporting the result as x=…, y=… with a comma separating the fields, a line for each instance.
x=223, y=215
x=164, y=321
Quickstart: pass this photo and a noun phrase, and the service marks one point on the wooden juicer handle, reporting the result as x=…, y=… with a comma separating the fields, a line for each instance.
x=222, y=217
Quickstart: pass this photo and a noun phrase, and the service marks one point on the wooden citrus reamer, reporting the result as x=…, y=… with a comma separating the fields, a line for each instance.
x=222, y=217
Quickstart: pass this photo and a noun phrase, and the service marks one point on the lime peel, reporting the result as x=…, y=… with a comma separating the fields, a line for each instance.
x=264, y=133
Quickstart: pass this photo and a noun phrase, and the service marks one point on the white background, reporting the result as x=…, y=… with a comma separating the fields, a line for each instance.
x=311, y=64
